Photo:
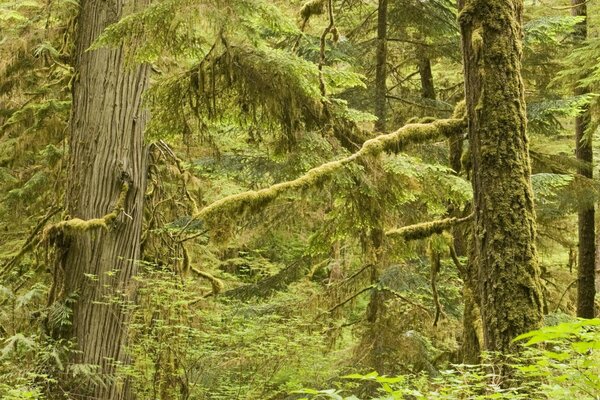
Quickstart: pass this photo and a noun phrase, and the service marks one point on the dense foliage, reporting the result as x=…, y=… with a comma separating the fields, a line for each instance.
x=288, y=250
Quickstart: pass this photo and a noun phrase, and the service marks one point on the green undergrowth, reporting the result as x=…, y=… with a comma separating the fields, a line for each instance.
x=556, y=362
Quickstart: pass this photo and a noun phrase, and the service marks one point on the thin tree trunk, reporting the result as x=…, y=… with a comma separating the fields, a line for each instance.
x=586, y=288
x=107, y=151
x=381, y=68
x=504, y=230
x=424, y=65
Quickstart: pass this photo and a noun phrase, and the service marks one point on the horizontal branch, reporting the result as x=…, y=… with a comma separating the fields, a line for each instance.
x=389, y=143
x=78, y=225
x=426, y=229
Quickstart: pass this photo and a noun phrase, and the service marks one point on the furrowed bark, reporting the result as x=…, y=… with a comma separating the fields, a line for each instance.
x=107, y=152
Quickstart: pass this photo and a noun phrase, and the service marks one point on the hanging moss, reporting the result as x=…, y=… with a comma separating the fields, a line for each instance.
x=426, y=229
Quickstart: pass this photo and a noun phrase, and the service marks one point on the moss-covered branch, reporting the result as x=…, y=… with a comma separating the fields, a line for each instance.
x=426, y=229
x=389, y=143
x=216, y=284
x=78, y=225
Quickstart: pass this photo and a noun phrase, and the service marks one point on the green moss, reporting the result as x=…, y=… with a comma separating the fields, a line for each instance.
x=476, y=40
x=312, y=7
x=507, y=272
x=426, y=229
x=392, y=143
x=75, y=226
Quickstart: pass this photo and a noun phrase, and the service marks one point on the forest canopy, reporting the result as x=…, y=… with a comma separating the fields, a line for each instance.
x=305, y=199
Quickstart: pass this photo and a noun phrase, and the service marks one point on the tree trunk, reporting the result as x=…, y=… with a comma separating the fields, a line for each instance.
x=504, y=228
x=107, y=151
x=424, y=65
x=381, y=68
x=586, y=289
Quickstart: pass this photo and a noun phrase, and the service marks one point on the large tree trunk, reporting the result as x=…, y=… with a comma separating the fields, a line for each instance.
x=586, y=289
x=504, y=231
x=381, y=67
x=107, y=151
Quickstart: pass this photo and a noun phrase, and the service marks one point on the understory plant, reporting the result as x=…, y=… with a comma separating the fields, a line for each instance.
x=557, y=362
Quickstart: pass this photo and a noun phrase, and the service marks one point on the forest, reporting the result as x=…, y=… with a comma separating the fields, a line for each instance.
x=299, y=199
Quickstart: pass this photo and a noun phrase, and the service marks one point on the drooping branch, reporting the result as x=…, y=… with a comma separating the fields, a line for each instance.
x=426, y=229
x=332, y=309
x=389, y=143
x=216, y=284
x=277, y=282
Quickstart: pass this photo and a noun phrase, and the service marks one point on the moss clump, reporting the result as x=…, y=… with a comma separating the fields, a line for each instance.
x=74, y=226
x=312, y=7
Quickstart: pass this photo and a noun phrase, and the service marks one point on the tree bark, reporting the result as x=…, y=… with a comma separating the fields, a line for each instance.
x=504, y=228
x=424, y=65
x=107, y=151
x=381, y=67
x=586, y=288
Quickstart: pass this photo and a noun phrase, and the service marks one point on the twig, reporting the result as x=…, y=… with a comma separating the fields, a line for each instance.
x=349, y=299
x=564, y=293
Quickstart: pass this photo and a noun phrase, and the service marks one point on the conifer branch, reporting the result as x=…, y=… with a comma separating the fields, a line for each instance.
x=426, y=229
x=389, y=143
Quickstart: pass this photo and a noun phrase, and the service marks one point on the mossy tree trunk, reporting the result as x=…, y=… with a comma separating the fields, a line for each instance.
x=504, y=229
x=586, y=289
x=470, y=352
x=381, y=67
x=107, y=151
